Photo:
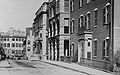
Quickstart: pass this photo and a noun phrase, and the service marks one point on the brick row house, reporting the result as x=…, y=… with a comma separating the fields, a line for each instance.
x=91, y=27
x=58, y=29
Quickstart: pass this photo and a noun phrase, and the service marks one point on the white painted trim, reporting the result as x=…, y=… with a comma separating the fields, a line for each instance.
x=107, y=38
x=73, y=19
x=95, y=9
x=107, y=4
x=95, y=39
x=88, y=12
x=81, y=15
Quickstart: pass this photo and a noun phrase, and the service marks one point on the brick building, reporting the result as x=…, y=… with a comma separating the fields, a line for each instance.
x=91, y=35
x=58, y=30
x=39, y=31
x=29, y=44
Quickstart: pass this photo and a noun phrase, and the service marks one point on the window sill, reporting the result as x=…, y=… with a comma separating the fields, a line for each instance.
x=95, y=26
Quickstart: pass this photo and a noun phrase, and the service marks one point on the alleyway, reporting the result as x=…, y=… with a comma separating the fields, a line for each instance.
x=23, y=67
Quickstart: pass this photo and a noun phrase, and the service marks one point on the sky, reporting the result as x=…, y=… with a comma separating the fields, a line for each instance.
x=18, y=14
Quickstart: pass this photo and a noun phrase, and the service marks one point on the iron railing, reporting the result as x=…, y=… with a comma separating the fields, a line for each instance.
x=67, y=59
x=101, y=64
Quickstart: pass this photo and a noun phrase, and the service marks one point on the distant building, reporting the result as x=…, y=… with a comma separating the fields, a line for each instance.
x=29, y=44
x=40, y=32
x=12, y=42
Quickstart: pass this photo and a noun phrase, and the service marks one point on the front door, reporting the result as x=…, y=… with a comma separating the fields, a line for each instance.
x=80, y=49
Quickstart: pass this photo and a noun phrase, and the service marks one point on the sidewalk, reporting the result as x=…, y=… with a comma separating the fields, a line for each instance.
x=4, y=64
x=76, y=67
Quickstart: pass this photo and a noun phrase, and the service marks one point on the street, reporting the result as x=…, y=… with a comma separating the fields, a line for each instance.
x=24, y=67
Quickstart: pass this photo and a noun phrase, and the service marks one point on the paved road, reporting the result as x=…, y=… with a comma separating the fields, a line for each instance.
x=23, y=67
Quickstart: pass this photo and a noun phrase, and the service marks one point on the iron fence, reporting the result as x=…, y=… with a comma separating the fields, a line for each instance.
x=101, y=64
x=67, y=59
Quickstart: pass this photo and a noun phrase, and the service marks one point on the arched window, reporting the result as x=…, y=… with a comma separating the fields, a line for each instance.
x=87, y=20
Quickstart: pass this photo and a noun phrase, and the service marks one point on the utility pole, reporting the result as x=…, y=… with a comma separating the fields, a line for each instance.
x=112, y=34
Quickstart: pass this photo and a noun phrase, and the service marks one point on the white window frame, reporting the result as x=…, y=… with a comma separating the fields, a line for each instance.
x=96, y=16
x=66, y=7
x=106, y=8
x=106, y=45
x=81, y=21
x=88, y=18
x=72, y=25
x=66, y=24
x=72, y=49
x=80, y=3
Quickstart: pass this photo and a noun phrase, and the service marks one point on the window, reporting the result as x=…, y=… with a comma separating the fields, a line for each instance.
x=89, y=55
x=19, y=39
x=95, y=48
x=88, y=44
x=22, y=39
x=57, y=6
x=13, y=39
x=87, y=20
x=66, y=47
x=88, y=1
x=106, y=14
x=72, y=5
x=7, y=39
x=16, y=51
x=28, y=42
x=106, y=48
x=72, y=26
x=19, y=51
x=28, y=48
x=80, y=3
x=81, y=21
x=16, y=39
x=13, y=44
x=72, y=50
x=20, y=45
x=66, y=25
x=22, y=51
x=4, y=39
x=66, y=5
x=96, y=16
x=4, y=44
x=8, y=44
x=13, y=51
x=40, y=35
x=16, y=44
